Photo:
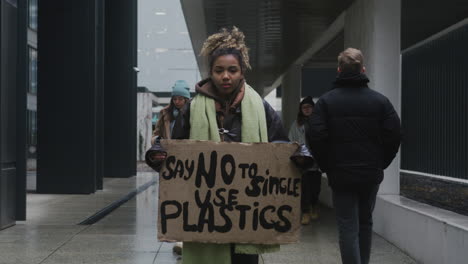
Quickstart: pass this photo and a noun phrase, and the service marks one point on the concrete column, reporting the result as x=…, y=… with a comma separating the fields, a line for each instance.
x=373, y=26
x=291, y=95
x=120, y=91
x=8, y=136
x=67, y=127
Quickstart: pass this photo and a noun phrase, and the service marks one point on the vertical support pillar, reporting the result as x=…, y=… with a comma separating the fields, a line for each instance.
x=120, y=102
x=22, y=82
x=100, y=86
x=373, y=26
x=291, y=95
x=8, y=82
x=67, y=97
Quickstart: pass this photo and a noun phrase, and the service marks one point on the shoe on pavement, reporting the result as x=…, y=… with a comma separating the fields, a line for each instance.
x=314, y=214
x=177, y=249
x=305, y=220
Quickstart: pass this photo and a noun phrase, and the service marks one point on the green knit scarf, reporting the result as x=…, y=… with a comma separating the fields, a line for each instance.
x=203, y=125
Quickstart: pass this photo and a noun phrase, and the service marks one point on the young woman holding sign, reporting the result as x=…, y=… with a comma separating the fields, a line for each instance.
x=227, y=109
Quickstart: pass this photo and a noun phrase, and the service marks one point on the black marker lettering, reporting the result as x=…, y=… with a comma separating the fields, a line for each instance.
x=222, y=201
x=287, y=224
x=187, y=226
x=244, y=167
x=228, y=177
x=179, y=169
x=209, y=176
x=170, y=160
x=242, y=210
x=228, y=223
x=190, y=167
x=263, y=221
x=165, y=216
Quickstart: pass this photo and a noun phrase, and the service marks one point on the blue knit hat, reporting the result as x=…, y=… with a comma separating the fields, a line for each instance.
x=181, y=88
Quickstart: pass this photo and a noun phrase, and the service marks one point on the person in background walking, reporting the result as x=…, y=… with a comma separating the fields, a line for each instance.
x=354, y=135
x=312, y=177
x=179, y=97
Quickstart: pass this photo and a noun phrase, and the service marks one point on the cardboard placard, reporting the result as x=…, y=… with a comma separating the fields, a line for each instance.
x=222, y=192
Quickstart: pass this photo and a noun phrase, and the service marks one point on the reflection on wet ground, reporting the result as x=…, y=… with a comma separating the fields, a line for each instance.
x=128, y=234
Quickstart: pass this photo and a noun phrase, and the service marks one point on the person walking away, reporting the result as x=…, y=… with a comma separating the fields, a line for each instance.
x=354, y=135
x=312, y=177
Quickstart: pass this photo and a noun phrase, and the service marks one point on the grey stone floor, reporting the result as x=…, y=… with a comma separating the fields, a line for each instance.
x=128, y=235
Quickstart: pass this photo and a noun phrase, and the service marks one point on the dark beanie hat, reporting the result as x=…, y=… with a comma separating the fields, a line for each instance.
x=307, y=100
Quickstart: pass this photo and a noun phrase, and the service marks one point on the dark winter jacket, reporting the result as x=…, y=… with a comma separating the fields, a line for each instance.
x=163, y=126
x=354, y=133
x=229, y=117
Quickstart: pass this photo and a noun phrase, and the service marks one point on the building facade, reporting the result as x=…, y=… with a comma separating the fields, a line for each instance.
x=67, y=97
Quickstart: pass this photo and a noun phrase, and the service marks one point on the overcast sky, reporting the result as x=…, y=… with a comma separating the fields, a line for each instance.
x=165, y=52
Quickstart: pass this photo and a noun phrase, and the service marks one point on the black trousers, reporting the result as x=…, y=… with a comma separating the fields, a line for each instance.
x=311, y=182
x=354, y=218
x=242, y=258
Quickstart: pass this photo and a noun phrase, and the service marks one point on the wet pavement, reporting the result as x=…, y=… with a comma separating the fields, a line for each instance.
x=128, y=235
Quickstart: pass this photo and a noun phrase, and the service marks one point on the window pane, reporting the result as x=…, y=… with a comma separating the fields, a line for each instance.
x=32, y=71
x=32, y=133
x=33, y=14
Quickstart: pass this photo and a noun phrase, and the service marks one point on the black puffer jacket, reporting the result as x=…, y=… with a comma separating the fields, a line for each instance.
x=229, y=119
x=354, y=133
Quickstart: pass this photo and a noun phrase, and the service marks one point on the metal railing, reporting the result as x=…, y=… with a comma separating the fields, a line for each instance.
x=435, y=104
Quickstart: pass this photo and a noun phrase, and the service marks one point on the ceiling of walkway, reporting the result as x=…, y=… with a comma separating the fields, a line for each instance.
x=437, y=16
x=277, y=32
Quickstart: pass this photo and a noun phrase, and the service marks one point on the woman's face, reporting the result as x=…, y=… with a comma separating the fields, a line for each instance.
x=179, y=101
x=307, y=109
x=226, y=74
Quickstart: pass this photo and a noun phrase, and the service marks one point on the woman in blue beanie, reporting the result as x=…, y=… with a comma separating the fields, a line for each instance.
x=180, y=96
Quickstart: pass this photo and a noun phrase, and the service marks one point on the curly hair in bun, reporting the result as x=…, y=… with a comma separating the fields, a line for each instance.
x=227, y=42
